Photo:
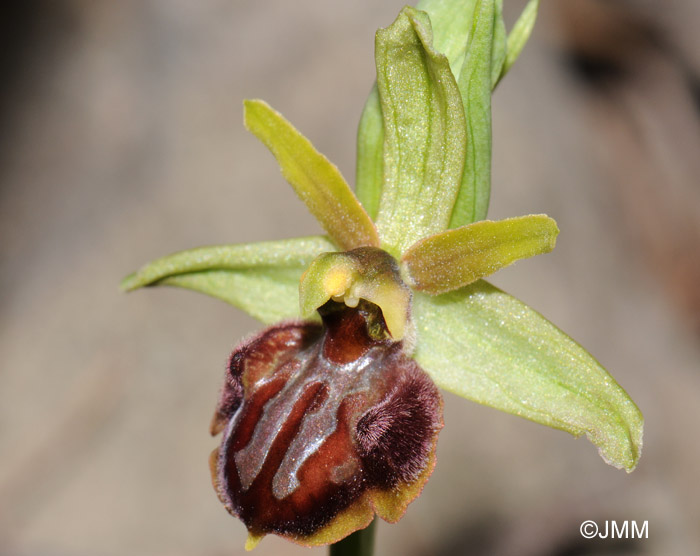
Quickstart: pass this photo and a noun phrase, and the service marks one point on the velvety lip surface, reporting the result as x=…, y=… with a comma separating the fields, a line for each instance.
x=318, y=419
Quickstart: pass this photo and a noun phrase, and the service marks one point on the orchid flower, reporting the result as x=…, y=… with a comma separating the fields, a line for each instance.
x=331, y=415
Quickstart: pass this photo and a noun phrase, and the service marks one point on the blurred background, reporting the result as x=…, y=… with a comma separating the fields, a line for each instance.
x=121, y=140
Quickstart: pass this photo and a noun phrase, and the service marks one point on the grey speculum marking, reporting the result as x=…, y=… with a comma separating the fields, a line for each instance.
x=340, y=381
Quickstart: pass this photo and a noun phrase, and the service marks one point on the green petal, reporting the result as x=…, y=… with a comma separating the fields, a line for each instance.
x=519, y=35
x=424, y=141
x=455, y=258
x=370, y=164
x=315, y=180
x=475, y=86
x=487, y=346
x=260, y=278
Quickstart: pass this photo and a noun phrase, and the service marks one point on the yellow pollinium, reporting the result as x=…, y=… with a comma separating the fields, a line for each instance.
x=338, y=281
x=364, y=273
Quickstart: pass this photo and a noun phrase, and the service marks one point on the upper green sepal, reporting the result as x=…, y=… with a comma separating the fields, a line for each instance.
x=314, y=178
x=262, y=278
x=424, y=133
x=455, y=258
x=472, y=36
x=452, y=21
x=365, y=273
x=483, y=344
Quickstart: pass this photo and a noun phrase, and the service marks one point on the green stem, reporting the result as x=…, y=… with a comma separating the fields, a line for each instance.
x=360, y=543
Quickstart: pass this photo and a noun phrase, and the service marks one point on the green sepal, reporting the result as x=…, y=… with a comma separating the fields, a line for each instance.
x=475, y=86
x=519, y=35
x=424, y=141
x=262, y=278
x=456, y=258
x=266, y=294
x=452, y=22
x=370, y=162
x=484, y=345
x=316, y=181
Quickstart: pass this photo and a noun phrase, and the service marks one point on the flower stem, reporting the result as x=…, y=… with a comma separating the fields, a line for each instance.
x=360, y=543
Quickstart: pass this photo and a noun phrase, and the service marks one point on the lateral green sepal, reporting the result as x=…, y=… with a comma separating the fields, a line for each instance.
x=484, y=345
x=266, y=294
x=260, y=278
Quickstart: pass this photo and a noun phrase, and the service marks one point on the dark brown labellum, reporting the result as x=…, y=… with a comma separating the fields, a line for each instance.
x=324, y=426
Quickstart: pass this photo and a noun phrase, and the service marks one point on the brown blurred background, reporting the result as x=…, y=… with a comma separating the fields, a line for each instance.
x=121, y=140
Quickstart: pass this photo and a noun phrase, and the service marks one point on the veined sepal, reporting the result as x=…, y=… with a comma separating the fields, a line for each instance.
x=424, y=133
x=482, y=344
x=260, y=278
